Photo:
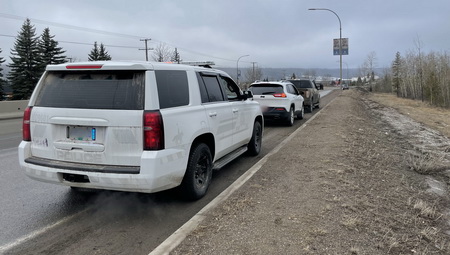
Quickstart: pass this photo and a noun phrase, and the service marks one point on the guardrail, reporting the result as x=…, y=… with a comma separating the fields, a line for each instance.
x=12, y=109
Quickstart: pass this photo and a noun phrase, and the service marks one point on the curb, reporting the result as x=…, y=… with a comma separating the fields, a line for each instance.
x=180, y=234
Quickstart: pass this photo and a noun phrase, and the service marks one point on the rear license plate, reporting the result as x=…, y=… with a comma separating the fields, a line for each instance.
x=81, y=133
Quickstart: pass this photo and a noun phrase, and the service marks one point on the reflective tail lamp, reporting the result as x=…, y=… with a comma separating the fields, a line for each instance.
x=279, y=95
x=26, y=131
x=153, y=130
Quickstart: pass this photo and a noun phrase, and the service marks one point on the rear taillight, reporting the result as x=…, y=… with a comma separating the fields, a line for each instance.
x=307, y=94
x=26, y=131
x=153, y=130
x=279, y=95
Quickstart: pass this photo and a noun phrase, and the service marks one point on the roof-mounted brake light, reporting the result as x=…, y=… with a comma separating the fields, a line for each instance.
x=84, y=66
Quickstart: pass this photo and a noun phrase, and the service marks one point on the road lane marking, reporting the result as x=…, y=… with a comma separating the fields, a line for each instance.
x=38, y=232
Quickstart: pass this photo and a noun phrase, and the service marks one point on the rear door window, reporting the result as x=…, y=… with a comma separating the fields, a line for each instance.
x=122, y=90
x=211, y=90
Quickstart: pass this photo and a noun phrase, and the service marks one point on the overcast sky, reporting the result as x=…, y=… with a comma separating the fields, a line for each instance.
x=275, y=33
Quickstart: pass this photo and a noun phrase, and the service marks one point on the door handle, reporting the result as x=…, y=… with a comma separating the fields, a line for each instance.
x=235, y=110
x=212, y=114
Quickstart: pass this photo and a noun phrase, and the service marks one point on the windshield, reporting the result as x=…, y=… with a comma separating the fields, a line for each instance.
x=266, y=89
x=93, y=90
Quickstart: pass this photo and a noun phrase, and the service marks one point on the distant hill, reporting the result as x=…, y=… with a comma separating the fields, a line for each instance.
x=314, y=73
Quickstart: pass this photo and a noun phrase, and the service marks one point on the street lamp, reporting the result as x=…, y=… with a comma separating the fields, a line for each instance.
x=237, y=68
x=340, y=37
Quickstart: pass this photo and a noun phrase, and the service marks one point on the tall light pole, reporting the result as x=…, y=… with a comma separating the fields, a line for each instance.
x=340, y=37
x=237, y=68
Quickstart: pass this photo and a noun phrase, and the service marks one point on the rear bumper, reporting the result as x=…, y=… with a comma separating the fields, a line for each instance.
x=274, y=113
x=159, y=170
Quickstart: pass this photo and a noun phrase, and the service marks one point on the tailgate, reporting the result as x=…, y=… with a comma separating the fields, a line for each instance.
x=107, y=137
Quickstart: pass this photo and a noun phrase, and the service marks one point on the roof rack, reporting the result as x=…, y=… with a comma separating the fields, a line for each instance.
x=206, y=64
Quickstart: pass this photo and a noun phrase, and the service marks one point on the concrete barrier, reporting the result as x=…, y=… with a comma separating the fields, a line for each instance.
x=12, y=109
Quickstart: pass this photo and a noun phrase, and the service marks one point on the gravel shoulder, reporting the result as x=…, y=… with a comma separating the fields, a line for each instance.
x=360, y=178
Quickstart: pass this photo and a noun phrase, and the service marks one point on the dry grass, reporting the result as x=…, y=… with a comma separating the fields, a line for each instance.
x=433, y=117
x=425, y=163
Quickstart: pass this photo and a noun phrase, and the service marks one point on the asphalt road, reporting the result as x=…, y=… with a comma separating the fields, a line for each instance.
x=40, y=218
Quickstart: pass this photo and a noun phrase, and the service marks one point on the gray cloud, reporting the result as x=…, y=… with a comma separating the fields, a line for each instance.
x=279, y=33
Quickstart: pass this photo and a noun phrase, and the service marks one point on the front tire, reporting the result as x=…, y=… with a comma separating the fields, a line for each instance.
x=254, y=146
x=198, y=173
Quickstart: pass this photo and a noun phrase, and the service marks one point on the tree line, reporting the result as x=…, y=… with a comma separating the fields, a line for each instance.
x=32, y=53
x=419, y=76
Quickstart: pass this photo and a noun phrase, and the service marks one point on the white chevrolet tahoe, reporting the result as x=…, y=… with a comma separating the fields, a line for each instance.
x=136, y=126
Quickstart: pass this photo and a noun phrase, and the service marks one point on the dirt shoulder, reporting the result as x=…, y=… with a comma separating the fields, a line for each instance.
x=350, y=182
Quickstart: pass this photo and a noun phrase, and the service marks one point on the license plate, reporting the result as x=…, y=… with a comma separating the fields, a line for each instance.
x=81, y=133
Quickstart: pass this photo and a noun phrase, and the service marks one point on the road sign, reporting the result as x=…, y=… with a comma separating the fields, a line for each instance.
x=344, y=46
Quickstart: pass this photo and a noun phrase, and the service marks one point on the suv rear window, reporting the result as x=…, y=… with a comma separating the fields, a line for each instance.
x=266, y=89
x=302, y=84
x=93, y=90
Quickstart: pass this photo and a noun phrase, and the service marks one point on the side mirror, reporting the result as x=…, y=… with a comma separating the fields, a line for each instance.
x=247, y=94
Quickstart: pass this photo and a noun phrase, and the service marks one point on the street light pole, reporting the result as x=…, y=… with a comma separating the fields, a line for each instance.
x=237, y=68
x=340, y=37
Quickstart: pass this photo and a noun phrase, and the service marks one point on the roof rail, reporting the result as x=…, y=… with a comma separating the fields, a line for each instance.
x=206, y=64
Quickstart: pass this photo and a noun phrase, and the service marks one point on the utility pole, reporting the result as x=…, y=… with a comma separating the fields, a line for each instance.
x=146, y=48
x=253, y=71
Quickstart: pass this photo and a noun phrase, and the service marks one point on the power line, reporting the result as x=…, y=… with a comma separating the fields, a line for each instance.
x=97, y=31
x=83, y=43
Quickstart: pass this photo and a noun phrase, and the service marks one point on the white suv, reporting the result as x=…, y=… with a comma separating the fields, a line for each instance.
x=136, y=126
x=279, y=100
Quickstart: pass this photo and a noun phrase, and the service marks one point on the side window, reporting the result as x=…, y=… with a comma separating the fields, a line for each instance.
x=231, y=89
x=173, y=88
x=292, y=90
x=203, y=92
x=213, y=88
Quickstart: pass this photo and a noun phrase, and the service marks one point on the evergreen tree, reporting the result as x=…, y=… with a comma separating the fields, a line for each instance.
x=98, y=53
x=26, y=63
x=396, y=72
x=94, y=55
x=50, y=52
x=1, y=76
x=176, y=56
x=103, y=54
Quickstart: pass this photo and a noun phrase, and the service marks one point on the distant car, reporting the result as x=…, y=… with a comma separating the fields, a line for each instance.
x=309, y=91
x=345, y=86
x=278, y=100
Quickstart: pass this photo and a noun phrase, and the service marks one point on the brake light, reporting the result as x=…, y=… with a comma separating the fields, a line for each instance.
x=279, y=95
x=307, y=93
x=153, y=130
x=26, y=131
x=84, y=66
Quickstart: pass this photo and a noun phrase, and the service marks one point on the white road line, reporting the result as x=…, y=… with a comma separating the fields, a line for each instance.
x=38, y=232
x=180, y=234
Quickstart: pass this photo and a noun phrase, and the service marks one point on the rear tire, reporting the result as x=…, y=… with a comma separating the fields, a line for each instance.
x=301, y=115
x=254, y=146
x=198, y=174
x=311, y=106
x=290, y=120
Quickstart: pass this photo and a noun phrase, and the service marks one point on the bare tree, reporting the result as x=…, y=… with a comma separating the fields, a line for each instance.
x=162, y=53
x=253, y=74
